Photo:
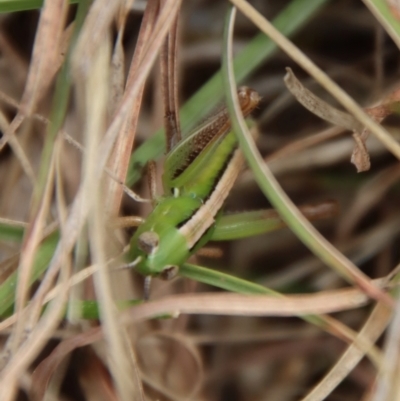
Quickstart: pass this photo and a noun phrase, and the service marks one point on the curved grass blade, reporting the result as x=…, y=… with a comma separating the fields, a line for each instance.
x=278, y=198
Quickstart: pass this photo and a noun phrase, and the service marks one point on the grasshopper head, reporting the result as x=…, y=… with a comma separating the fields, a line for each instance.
x=148, y=243
x=248, y=99
x=158, y=254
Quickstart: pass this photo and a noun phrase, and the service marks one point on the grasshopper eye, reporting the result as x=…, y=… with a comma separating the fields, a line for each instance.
x=148, y=242
x=169, y=272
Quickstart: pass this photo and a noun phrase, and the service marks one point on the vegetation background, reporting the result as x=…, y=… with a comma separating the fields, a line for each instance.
x=80, y=88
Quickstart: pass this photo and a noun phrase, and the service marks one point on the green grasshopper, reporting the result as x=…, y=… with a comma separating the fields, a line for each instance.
x=199, y=173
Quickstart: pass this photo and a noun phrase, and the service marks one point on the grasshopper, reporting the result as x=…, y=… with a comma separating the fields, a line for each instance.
x=199, y=173
x=198, y=176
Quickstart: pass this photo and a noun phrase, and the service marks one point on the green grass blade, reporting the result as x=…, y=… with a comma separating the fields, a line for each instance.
x=11, y=233
x=291, y=19
x=222, y=280
x=42, y=259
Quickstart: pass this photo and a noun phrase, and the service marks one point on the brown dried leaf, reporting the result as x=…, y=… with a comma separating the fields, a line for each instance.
x=389, y=105
x=360, y=156
x=318, y=106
